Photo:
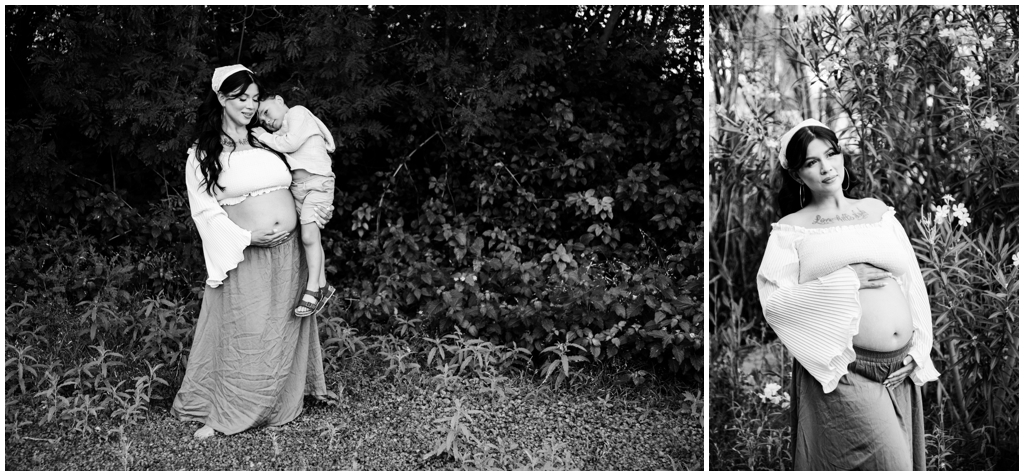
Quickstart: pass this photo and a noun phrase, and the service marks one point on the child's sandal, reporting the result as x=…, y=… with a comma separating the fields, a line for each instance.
x=326, y=293
x=306, y=308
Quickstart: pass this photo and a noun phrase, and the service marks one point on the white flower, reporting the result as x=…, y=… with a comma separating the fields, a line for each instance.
x=947, y=33
x=773, y=95
x=965, y=34
x=967, y=158
x=1016, y=263
x=940, y=214
x=990, y=123
x=965, y=49
x=971, y=79
x=987, y=42
x=772, y=143
x=961, y=214
x=892, y=62
x=771, y=391
x=771, y=394
x=947, y=198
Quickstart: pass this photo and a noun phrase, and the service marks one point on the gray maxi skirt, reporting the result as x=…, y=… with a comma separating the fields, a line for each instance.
x=861, y=424
x=252, y=360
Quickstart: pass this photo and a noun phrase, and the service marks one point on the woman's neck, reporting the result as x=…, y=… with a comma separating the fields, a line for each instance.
x=232, y=129
x=829, y=203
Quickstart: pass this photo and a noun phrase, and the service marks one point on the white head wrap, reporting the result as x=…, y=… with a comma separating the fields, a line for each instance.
x=784, y=142
x=220, y=74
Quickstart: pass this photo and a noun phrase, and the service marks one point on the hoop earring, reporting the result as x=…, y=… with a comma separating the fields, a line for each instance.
x=846, y=177
x=801, y=195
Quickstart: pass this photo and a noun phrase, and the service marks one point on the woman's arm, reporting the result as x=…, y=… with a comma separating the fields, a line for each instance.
x=223, y=241
x=920, y=310
x=815, y=320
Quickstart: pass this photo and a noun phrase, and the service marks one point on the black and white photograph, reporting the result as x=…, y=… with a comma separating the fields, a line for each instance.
x=432, y=238
x=863, y=209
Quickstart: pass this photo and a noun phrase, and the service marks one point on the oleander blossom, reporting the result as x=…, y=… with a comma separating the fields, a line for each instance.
x=960, y=212
x=990, y=123
x=987, y=42
x=771, y=394
x=971, y=78
x=892, y=62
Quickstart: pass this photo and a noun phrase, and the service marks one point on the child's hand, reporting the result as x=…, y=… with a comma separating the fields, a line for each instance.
x=256, y=131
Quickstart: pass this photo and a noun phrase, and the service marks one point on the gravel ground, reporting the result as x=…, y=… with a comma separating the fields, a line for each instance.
x=379, y=425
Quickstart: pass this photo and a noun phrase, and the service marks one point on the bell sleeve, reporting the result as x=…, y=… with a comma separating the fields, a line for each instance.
x=912, y=284
x=817, y=320
x=223, y=240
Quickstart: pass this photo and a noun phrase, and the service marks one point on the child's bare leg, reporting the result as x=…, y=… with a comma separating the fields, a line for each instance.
x=323, y=280
x=314, y=259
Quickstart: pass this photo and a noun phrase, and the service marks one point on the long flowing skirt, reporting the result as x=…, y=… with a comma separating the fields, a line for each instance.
x=861, y=424
x=252, y=360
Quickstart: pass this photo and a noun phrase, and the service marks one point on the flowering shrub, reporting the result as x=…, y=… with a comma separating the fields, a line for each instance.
x=973, y=286
x=926, y=103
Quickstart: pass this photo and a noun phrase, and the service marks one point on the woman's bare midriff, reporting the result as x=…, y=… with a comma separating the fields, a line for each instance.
x=885, y=322
x=265, y=212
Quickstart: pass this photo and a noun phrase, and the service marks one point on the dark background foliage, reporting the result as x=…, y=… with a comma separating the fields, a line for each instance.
x=531, y=175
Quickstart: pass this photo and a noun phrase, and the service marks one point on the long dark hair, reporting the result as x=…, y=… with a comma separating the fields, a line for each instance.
x=209, y=128
x=788, y=197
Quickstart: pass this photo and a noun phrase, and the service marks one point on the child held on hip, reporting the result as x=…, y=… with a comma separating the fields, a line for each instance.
x=306, y=141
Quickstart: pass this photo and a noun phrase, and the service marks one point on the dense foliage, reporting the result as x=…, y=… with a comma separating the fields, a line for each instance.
x=926, y=103
x=528, y=177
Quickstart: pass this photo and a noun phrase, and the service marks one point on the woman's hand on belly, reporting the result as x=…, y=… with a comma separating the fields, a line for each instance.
x=870, y=276
x=269, y=238
x=885, y=322
x=266, y=216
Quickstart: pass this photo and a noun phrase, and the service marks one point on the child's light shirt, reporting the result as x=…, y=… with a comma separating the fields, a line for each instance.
x=305, y=140
x=817, y=319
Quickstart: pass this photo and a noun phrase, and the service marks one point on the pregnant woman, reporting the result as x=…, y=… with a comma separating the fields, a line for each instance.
x=251, y=360
x=840, y=285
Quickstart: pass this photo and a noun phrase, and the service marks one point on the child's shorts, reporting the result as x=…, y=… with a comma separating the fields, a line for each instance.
x=309, y=193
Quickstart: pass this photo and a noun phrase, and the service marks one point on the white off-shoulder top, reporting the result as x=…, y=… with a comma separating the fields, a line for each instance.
x=810, y=295
x=243, y=174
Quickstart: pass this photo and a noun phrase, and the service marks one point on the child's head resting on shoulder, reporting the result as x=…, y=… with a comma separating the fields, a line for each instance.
x=272, y=111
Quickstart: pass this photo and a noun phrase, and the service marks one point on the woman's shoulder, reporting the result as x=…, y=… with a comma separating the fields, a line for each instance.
x=873, y=205
x=800, y=217
x=191, y=155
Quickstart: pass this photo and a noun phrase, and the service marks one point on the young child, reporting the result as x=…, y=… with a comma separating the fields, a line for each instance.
x=306, y=140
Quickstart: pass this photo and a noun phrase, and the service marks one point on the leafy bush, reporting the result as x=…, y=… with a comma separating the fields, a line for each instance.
x=518, y=147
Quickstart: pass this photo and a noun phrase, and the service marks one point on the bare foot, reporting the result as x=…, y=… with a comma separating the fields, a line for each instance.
x=205, y=432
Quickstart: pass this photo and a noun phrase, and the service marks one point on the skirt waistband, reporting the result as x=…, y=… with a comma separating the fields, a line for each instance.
x=883, y=356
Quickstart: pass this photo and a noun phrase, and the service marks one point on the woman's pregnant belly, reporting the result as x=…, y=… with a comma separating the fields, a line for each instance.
x=885, y=322
x=265, y=212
